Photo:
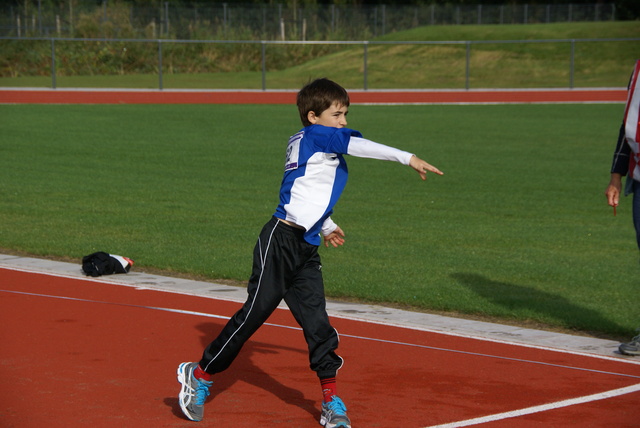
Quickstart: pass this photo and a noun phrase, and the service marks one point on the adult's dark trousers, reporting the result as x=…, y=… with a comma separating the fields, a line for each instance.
x=287, y=267
x=636, y=209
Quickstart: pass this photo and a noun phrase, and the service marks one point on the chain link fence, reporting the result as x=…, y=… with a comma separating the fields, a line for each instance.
x=227, y=21
x=242, y=64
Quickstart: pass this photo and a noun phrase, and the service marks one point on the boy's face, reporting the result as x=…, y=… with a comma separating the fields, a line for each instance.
x=335, y=116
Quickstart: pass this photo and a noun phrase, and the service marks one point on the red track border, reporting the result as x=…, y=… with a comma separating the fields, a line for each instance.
x=123, y=96
x=65, y=336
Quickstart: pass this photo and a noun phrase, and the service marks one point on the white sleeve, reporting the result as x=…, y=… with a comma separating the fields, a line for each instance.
x=328, y=226
x=363, y=148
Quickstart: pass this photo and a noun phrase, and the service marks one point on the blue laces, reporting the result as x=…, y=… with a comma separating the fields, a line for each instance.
x=202, y=391
x=337, y=406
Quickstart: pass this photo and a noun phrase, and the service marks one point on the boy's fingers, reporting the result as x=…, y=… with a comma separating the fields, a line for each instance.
x=429, y=168
x=433, y=169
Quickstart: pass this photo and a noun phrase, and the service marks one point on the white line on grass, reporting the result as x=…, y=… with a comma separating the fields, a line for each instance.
x=542, y=408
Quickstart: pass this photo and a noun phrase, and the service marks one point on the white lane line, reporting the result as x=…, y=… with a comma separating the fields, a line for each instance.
x=122, y=281
x=371, y=339
x=468, y=422
x=542, y=408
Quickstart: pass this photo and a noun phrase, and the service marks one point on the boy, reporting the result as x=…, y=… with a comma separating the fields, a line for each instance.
x=286, y=264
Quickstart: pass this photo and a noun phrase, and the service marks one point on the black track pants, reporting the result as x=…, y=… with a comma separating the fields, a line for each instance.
x=285, y=267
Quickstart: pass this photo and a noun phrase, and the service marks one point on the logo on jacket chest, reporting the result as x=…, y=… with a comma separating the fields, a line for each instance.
x=293, y=152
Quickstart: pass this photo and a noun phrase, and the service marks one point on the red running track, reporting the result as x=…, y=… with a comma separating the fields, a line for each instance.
x=83, y=352
x=88, y=96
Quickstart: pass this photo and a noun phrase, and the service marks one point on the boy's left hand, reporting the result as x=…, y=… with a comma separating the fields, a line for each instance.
x=335, y=238
x=422, y=167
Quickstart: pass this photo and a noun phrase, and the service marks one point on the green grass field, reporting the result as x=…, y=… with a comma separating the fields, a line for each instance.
x=517, y=230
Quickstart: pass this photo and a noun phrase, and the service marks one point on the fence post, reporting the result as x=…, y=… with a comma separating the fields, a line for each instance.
x=40, y=17
x=572, y=63
x=365, y=74
x=71, y=18
x=264, y=65
x=375, y=21
x=548, y=14
x=333, y=18
x=384, y=19
x=467, y=65
x=53, y=63
x=570, y=13
x=166, y=18
x=104, y=18
x=224, y=18
x=160, y=87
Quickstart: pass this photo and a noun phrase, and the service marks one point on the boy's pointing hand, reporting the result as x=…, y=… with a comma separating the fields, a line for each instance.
x=422, y=167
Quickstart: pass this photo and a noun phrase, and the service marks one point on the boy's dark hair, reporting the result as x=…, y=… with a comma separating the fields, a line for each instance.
x=319, y=95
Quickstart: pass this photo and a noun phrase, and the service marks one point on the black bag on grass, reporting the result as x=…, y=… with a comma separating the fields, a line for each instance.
x=101, y=263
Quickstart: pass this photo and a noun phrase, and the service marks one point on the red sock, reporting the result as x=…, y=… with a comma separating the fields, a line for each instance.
x=198, y=373
x=329, y=388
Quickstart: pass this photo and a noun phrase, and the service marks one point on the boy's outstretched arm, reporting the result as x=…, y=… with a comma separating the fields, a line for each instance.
x=422, y=167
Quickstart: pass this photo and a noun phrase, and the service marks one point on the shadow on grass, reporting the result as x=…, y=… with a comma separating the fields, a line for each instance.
x=520, y=300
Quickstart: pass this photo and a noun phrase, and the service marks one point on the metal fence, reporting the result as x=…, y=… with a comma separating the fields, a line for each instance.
x=225, y=21
x=467, y=68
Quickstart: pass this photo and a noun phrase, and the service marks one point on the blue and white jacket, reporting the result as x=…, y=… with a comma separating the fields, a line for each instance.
x=315, y=174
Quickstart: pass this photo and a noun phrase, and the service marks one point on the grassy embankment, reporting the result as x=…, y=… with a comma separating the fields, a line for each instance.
x=238, y=66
